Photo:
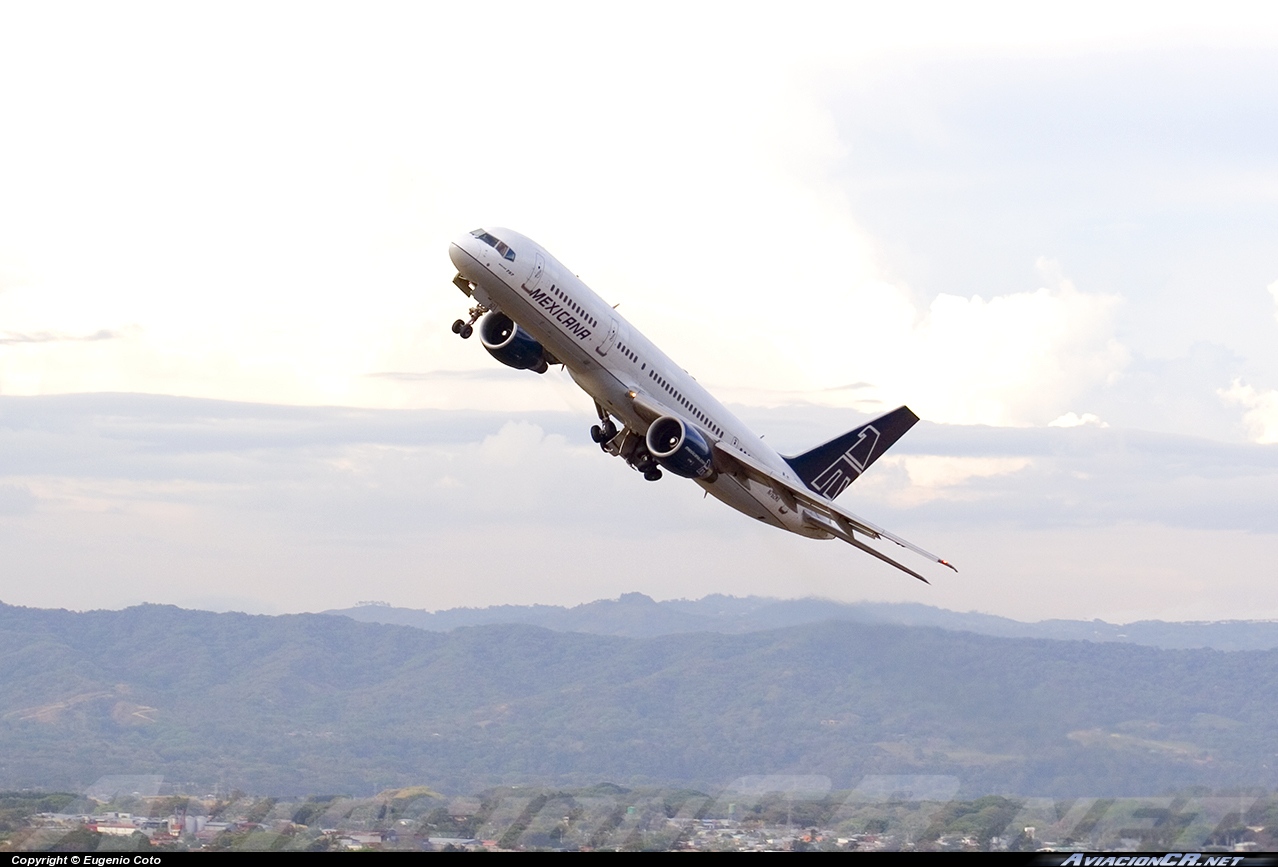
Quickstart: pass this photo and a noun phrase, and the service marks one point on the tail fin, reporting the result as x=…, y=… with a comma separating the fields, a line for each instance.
x=828, y=469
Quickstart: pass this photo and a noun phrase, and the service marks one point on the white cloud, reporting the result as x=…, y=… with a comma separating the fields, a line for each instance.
x=100, y=497
x=279, y=231
x=1017, y=358
x=945, y=476
x=258, y=205
x=1073, y=419
x=1014, y=359
x=1261, y=417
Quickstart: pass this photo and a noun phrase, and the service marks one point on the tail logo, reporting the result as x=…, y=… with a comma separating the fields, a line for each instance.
x=832, y=481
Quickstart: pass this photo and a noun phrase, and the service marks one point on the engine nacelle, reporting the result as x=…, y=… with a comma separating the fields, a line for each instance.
x=511, y=345
x=680, y=448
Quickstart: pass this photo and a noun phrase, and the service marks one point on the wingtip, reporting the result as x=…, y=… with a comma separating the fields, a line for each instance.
x=949, y=564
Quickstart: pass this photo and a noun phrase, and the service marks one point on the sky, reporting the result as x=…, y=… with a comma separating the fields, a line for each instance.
x=227, y=378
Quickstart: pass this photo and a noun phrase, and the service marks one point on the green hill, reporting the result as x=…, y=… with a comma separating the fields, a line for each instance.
x=314, y=703
x=637, y=616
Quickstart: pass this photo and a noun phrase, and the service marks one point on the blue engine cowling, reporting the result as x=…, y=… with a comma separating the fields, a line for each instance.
x=680, y=448
x=511, y=345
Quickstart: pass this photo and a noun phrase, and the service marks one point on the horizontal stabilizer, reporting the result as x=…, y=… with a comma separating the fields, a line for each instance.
x=817, y=511
x=829, y=468
x=832, y=527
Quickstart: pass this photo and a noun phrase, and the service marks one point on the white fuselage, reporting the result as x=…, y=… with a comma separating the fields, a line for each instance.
x=612, y=361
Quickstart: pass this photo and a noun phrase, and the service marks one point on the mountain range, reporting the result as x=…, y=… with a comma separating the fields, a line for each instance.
x=316, y=703
x=637, y=616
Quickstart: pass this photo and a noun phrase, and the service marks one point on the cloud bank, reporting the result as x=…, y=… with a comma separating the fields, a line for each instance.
x=108, y=500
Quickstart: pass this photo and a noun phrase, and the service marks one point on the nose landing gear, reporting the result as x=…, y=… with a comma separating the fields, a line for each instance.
x=466, y=329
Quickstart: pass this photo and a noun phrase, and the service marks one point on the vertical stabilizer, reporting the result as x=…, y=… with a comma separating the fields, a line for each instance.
x=831, y=467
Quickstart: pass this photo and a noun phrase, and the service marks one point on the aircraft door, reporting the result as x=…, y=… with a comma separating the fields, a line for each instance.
x=539, y=268
x=606, y=343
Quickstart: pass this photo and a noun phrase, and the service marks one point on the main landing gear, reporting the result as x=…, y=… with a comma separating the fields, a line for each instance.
x=466, y=329
x=649, y=468
x=626, y=444
x=604, y=432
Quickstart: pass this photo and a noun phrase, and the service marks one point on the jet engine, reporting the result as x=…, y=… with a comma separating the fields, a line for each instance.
x=680, y=448
x=511, y=345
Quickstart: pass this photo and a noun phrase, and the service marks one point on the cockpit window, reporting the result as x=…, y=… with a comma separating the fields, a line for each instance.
x=500, y=247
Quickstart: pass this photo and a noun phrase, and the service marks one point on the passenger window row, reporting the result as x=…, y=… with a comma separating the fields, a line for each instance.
x=573, y=305
x=685, y=403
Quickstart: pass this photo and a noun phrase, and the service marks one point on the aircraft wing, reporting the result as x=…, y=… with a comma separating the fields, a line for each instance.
x=817, y=511
x=648, y=409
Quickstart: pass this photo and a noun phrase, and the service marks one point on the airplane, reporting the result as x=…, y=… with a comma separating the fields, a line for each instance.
x=532, y=313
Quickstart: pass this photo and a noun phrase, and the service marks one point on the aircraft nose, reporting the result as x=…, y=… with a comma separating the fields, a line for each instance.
x=458, y=256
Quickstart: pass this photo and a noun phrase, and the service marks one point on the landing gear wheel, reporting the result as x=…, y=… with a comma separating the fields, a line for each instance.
x=653, y=474
x=603, y=433
x=466, y=329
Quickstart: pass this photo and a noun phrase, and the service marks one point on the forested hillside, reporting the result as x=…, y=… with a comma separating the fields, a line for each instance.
x=314, y=703
x=638, y=616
